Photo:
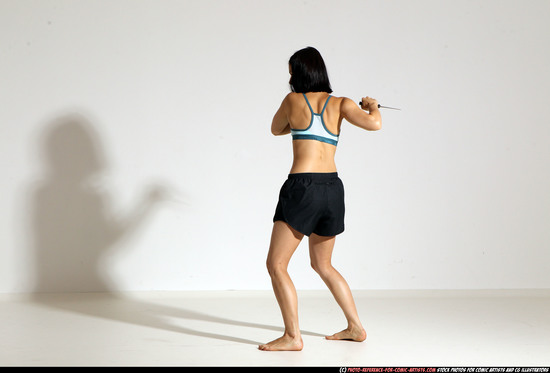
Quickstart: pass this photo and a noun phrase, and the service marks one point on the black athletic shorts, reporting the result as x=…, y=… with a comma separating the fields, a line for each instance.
x=312, y=203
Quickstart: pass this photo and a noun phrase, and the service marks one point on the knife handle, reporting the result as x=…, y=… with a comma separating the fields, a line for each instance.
x=361, y=104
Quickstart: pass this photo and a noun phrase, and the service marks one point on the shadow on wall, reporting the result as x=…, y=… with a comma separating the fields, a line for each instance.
x=72, y=221
x=74, y=230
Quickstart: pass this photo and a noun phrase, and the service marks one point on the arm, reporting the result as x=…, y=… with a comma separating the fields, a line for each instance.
x=371, y=121
x=280, y=125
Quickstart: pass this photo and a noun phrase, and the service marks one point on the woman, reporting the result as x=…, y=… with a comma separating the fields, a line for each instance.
x=311, y=201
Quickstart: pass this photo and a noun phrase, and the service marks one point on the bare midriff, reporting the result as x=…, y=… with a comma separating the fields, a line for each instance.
x=312, y=156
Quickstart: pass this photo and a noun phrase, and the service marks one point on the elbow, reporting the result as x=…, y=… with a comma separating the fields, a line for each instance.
x=276, y=131
x=374, y=125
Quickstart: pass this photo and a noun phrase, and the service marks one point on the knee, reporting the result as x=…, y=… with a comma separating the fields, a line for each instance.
x=322, y=268
x=275, y=268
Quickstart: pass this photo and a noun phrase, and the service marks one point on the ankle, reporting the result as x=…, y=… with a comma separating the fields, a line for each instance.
x=293, y=334
x=354, y=327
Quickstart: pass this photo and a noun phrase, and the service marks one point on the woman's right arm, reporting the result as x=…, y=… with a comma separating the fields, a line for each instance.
x=371, y=121
x=280, y=125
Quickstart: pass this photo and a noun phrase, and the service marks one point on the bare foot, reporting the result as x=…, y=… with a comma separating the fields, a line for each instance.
x=357, y=335
x=285, y=343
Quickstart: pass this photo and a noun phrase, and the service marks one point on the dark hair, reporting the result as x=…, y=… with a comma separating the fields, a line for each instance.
x=309, y=73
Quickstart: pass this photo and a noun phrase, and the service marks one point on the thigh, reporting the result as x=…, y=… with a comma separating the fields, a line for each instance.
x=284, y=242
x=320, y=249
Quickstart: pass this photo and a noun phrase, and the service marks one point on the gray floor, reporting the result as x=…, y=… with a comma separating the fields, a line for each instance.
x=405, y=328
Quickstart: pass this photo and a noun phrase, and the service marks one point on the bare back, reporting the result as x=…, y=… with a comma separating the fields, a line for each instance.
x=294, y=115
x=311, y=155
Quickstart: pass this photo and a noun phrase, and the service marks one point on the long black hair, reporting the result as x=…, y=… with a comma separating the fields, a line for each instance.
x=309, y=73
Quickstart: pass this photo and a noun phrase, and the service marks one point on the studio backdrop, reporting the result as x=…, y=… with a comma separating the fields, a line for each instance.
x=137, y=152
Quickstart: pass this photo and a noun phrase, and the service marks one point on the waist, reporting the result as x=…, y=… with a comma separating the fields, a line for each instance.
x=315, y=176
x=312, y=157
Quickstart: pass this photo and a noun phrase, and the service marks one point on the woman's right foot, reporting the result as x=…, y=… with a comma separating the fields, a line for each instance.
x=349, y=334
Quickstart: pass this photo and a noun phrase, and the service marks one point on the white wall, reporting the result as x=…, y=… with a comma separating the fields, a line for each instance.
x=100, y=100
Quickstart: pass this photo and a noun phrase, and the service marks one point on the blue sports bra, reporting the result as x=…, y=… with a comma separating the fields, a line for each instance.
x=316, y=129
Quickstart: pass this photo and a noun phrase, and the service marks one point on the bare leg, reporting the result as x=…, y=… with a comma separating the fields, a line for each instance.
x=320, y=251
x=284, y=241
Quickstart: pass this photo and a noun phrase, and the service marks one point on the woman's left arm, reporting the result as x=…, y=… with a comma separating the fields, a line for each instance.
x=280, y=125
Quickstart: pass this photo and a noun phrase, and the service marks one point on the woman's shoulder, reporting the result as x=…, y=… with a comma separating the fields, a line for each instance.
x=293, y=99
x=344, y=102
x=340, y=101
x=293, y=96
x=338, y=98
